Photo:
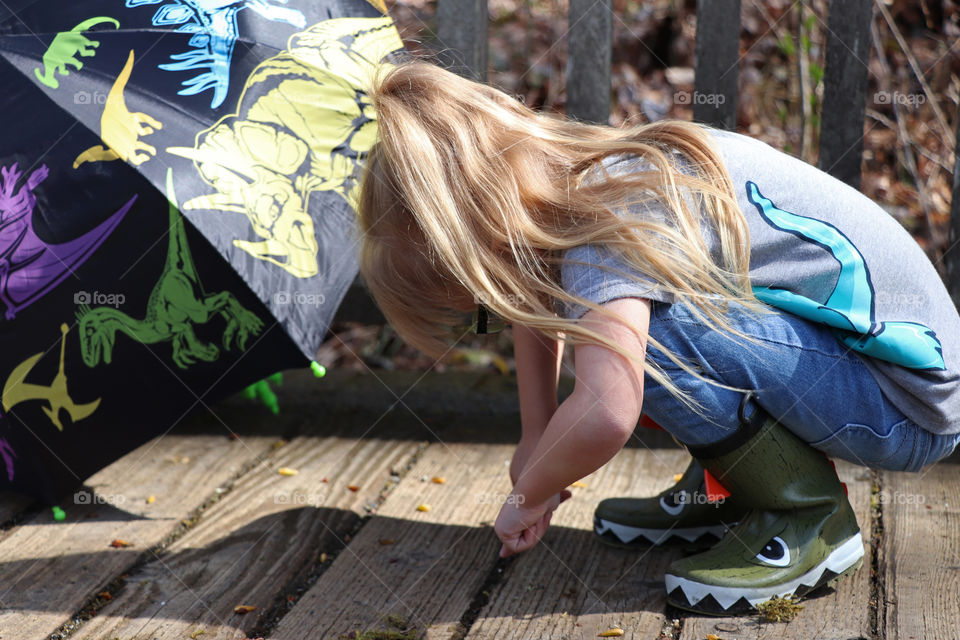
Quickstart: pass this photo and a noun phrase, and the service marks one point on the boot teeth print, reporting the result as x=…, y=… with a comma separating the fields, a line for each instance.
x=798, y=535
x=681, y=513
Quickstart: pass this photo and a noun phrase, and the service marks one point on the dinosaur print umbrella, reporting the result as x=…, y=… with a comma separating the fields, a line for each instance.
x=177, y=180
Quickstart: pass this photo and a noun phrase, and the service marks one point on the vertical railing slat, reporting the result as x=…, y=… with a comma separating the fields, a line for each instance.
x=952, y=256
x=589, y=48
x=845, y=89
x=462, y=32
x=717, y=57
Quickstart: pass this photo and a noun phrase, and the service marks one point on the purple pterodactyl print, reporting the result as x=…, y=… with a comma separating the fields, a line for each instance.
x=30, y=267
x=8, y=454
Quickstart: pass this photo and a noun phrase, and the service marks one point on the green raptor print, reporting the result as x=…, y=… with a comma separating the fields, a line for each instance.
x=176, y=304
x=65, y=48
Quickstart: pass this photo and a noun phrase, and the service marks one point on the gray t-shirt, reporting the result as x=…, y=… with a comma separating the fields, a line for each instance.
x=821, y=250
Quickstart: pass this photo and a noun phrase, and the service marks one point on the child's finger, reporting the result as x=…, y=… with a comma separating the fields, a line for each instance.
x=566, y=494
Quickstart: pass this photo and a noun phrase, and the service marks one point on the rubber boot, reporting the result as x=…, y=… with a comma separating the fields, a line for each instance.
x=681, y=513
x=800, y=533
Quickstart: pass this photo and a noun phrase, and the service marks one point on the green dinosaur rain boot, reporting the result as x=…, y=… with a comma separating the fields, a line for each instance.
x=681, y=513
x=799, y=535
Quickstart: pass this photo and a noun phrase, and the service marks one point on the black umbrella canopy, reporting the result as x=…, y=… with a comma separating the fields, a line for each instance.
x=176, y=221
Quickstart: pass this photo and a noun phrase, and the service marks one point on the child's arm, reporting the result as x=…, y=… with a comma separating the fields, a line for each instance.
x=586, y=431
x=538, y=359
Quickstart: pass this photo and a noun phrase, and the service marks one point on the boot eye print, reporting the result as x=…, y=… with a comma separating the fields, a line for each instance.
x=775, y=553
x=673, y=503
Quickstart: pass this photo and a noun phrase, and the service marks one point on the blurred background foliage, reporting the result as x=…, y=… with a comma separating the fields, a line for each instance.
x=912, y=107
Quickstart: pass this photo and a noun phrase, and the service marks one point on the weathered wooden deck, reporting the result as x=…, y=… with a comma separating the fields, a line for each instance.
x=340, y=548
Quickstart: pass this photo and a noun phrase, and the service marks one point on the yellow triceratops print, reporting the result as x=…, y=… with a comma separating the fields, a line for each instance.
x=120, y=128
x=301, y=124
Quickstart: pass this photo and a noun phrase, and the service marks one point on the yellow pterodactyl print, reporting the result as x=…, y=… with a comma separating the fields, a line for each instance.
x=120, y=128
x=15, y=390
x=302, y=124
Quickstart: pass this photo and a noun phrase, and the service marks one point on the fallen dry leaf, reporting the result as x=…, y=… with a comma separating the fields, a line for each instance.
x=118, y=543
x=243, y=608
x=579, y=485
x=613, y=632
x=423, y=507
x=151, y=499
x=353, y=487
x=438, y=480
x=287, y=471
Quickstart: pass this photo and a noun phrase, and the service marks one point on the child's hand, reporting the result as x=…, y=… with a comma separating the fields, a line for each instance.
x=520, y=526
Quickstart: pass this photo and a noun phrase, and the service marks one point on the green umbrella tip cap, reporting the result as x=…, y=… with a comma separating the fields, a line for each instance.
x=317, y=368
x=58, y=514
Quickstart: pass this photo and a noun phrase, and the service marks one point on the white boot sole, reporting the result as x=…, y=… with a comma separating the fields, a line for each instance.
x=840, y=560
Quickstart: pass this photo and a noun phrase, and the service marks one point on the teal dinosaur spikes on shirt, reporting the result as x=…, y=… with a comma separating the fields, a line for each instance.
x=827, y=253
x=849, y=309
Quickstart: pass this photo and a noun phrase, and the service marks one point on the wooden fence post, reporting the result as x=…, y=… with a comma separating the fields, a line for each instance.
x=714, y=96
x=590, y=45
x=845, y=89
x=462, y=32
x=952, y=256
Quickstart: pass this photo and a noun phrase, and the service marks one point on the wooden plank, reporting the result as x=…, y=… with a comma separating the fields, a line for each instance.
x=48, y=570
x=424, y=567
x=918, y=561
x=254, y=546
x=952, y=254
x=571, y=585
x=717, y=56
x=462, y=32
x=836, y=614
x=589, y=52
x=845, y=89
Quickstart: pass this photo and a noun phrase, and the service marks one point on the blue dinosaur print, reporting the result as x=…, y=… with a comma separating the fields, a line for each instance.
x=214, y=25
x=850, y=307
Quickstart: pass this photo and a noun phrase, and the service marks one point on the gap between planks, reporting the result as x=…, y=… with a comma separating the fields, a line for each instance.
x=262, y=539
x=425, y=568
x=919, y=560
x=49, y=570
x=573, y=586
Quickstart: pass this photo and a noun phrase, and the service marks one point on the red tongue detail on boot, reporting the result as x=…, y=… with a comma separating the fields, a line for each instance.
x=647, y=421
x=715, y=491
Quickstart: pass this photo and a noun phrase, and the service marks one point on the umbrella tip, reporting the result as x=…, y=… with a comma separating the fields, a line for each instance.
x=318, y=369
x=58, y=514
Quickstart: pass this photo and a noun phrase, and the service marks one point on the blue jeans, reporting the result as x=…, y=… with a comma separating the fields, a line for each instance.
x=800, y=375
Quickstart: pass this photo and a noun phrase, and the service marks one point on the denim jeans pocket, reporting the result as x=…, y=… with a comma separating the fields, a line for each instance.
x=862, y=444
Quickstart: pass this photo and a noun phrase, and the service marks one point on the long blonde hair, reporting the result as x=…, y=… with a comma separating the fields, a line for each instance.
x=470, y=196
